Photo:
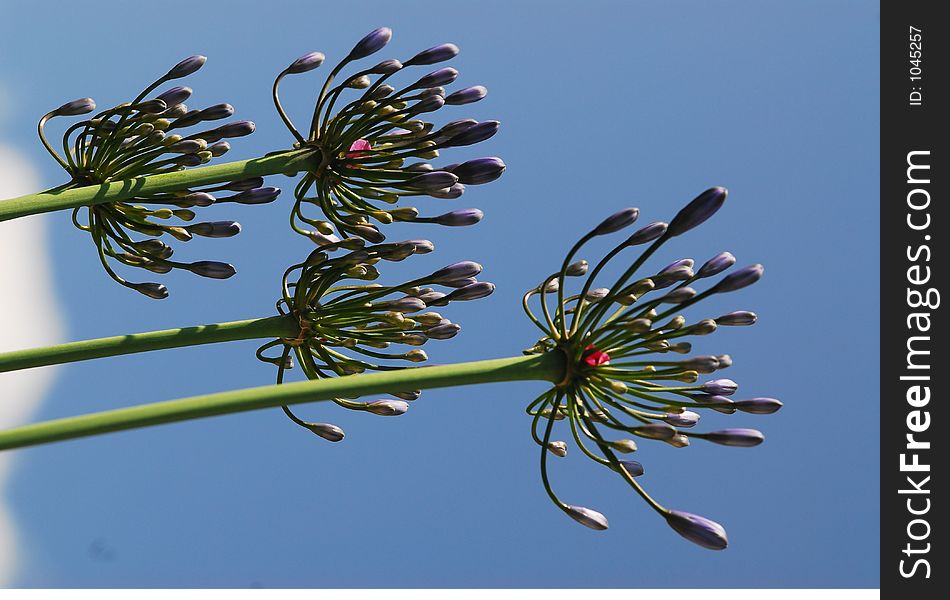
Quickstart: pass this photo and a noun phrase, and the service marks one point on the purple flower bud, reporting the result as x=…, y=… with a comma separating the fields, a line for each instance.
x=738, y=437
x=407, y=304
x=467, y=95
x=387, y=408
x=212, y=269
x=632, y=467
x=717, y=264
x=151, y=107
x=475, y=134
x=701, y=364
x=647, y=234
x=433, y=180
x=460, y=218
x=197, y=199
x=156, y=291
x=438, y=77
x=242, y=185
x=459, y=270
x=186, y=67
x=76, y=107
x=188, y=160
x=576, y=269
x=687, y=418
x=449, y=193
x=587, y=517
x=432, y=298
x=369, y=233
x=678, y=295
x=261, y=195
x=698, y=530
x=443, y=332
x=701, y=208
x=718, y=400
x=617, y=221
x=480, y=170
x=218, y=111
x=215, y=229
x=231, y=130
x=454, y=128
x=744, y=277
x=175, y=96
x=595, y=295
x=307, y=62
x=387, y=67
x=472, y=291
x=187, y=146
x=720, y=387
x=371, y=43
x=739, y=317
x=219, y=148
x=329, y=432
x=429, y=104
x=725, y=361
x=759, y=406
x=655, y=431
x=410, y=396
x=436, y=54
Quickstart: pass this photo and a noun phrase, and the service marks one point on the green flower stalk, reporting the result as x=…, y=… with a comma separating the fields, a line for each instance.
x=148, y=137
x=621, y=374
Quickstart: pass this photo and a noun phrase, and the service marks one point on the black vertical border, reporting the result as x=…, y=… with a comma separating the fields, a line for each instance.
x=907, y=128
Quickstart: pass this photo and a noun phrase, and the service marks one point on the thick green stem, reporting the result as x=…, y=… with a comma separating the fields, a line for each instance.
x=544, y=367
x=271, y=327
x=117, y=191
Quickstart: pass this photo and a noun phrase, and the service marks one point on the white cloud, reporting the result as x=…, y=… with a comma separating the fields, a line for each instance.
x=29, y=316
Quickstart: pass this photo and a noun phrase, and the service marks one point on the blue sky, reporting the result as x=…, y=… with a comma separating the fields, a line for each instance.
x=604, y=105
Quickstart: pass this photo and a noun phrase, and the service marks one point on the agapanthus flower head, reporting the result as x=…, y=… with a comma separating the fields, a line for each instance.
x=375, y=140
x=622, y=375
x=349, y=325
x=148, y=136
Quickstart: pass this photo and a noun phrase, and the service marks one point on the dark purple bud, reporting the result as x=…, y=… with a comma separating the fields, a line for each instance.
x=231, y=130
x=678, y=295
x=587, y=517
x=215, y=229
x=701, y=208
x=76, y=107
x=454, y=128
x=472, y=291
x=307, y=62
x=480, y=170
x=369, y=233
x=387, y=408
x=725, y=361
x=738, y=437
x=687, y=418
x=724, y=405
x=655, y=431
x=423, y=167
x=219, y=148
x=421, y=246
x=449, y=193
x=744, y=277
x=436, y=54
x=576, y=269
x=151, y=107
x=432, y=298
x=617, y=221
x=739, y=317
x=632, y=467
x=407, y=304
x=720, y=387
x=433, y=180
x=647, y=234
x=188, y=160
x=261, y=195
x=759, y=406
x=410, y=395
x=197, y=199
x=459, y=270
x=156, y=291
x=459, y=283
x=387, y=67
x=187, y=146
x=327, y=431
x=443, y=332
x=186, y=67
x=475, y=134
x=371, y=43
x=438, y=77
x=175, y=96
x=467, y=96
x=701, y=364
x=460, y=218
x=698, y=530
x=429, y=104
x=242, y=185
x=212, y=269
x=717, y=264
x=218, y=111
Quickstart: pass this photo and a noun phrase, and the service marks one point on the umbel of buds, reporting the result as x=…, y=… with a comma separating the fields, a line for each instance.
x=375, y=142
x=620, y=345
x=350, y=326
x=148, y=136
